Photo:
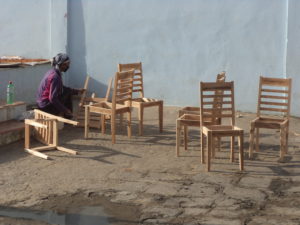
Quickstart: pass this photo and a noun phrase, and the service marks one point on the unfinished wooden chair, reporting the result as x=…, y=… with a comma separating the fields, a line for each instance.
x=189, y=116
x=222, y=107
x=121, y=103
x=45, y=131
x=273, y=111
x=141, y=102
x=95, y=120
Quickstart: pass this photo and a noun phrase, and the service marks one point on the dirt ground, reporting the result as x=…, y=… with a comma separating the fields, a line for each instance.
x=140, y=181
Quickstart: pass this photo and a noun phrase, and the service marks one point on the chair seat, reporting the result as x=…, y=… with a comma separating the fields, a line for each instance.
x=265, y=122
x=222, y=130
x=190, y=120
x=106, y=108
x=146, y=102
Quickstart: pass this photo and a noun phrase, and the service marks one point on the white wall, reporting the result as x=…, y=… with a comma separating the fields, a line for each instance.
x=180, y=42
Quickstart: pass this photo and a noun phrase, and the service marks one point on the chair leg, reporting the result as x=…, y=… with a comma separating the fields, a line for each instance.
x=282, y=142
x=178, y=130
x=286, y=139
x=241, y=151
x=209, y=145
x=141, y=118
x=232, y=148
x=185, y=128
x=257, y=140
x=129, y=124
x=27, y=136
x=86, y=121
x=103, y=127
x=251, y=140
x=161, y=116
x=113, y=128
x=202, y=147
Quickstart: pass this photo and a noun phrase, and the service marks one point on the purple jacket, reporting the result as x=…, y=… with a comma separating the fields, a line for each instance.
x=51, y=90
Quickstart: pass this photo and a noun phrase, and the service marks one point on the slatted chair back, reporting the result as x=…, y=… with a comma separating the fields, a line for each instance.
x=217, y=102
x=138, y=86
x=274, y=97
x=123, y=85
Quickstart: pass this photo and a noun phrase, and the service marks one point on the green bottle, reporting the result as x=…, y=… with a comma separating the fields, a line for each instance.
x=10, y=93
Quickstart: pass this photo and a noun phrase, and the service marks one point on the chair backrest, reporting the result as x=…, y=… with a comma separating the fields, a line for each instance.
x=138, y=86
x=223, y=93
x=217, y=100
x=123, y=85
x=274, y=96
x=83, y=94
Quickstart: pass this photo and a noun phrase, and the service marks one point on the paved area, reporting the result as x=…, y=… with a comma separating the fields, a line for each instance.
x=143, y=172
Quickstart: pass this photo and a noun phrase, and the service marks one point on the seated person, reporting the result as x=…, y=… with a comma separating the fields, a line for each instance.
x=53, y=97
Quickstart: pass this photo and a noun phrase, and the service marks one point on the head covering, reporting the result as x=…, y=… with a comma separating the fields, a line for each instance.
x=60, y=59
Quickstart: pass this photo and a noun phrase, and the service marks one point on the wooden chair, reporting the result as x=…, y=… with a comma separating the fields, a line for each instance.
x=46, y=131
x=122, y=93
x=273, y=111
x=189, y=116
x=95, y=119
x=213, y=111
x=141, y=102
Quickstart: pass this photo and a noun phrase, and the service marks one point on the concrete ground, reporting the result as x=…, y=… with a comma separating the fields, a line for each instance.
x=140, y=181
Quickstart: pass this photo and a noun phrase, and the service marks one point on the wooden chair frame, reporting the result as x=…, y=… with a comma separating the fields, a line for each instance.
x=274, y=96
x=141, y=102
x=95, y=120
x=46, y=131
x=214, y=111
x=189, y=116
x=122, y=94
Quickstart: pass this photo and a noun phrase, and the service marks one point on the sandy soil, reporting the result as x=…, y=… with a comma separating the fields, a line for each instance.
x=140, y=181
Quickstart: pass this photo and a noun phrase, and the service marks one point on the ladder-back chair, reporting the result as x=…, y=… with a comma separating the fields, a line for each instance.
x=141, y=101
x=121, y=103
x=213, y=112
x=189, y=116
x=273, y=111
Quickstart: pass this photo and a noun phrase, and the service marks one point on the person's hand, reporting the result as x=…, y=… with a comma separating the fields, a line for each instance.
x=81, y=90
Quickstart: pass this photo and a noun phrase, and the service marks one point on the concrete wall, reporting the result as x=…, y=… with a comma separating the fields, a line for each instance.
x=26, y=81
x=180, y=42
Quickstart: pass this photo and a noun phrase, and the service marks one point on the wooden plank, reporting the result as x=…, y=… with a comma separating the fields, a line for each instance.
x=216, y=96
x=274, y=90
x=58, y=118
x=218, y=102
x=35, y=124
x=39, y=154
x=275, y=81
x=27, y=136
x=214, y=86
x=273, y=109
x=63, y=149
x=274, y=103
x=274, y=97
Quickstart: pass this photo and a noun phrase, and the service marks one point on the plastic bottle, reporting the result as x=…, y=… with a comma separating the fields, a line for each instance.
x=10, y=93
